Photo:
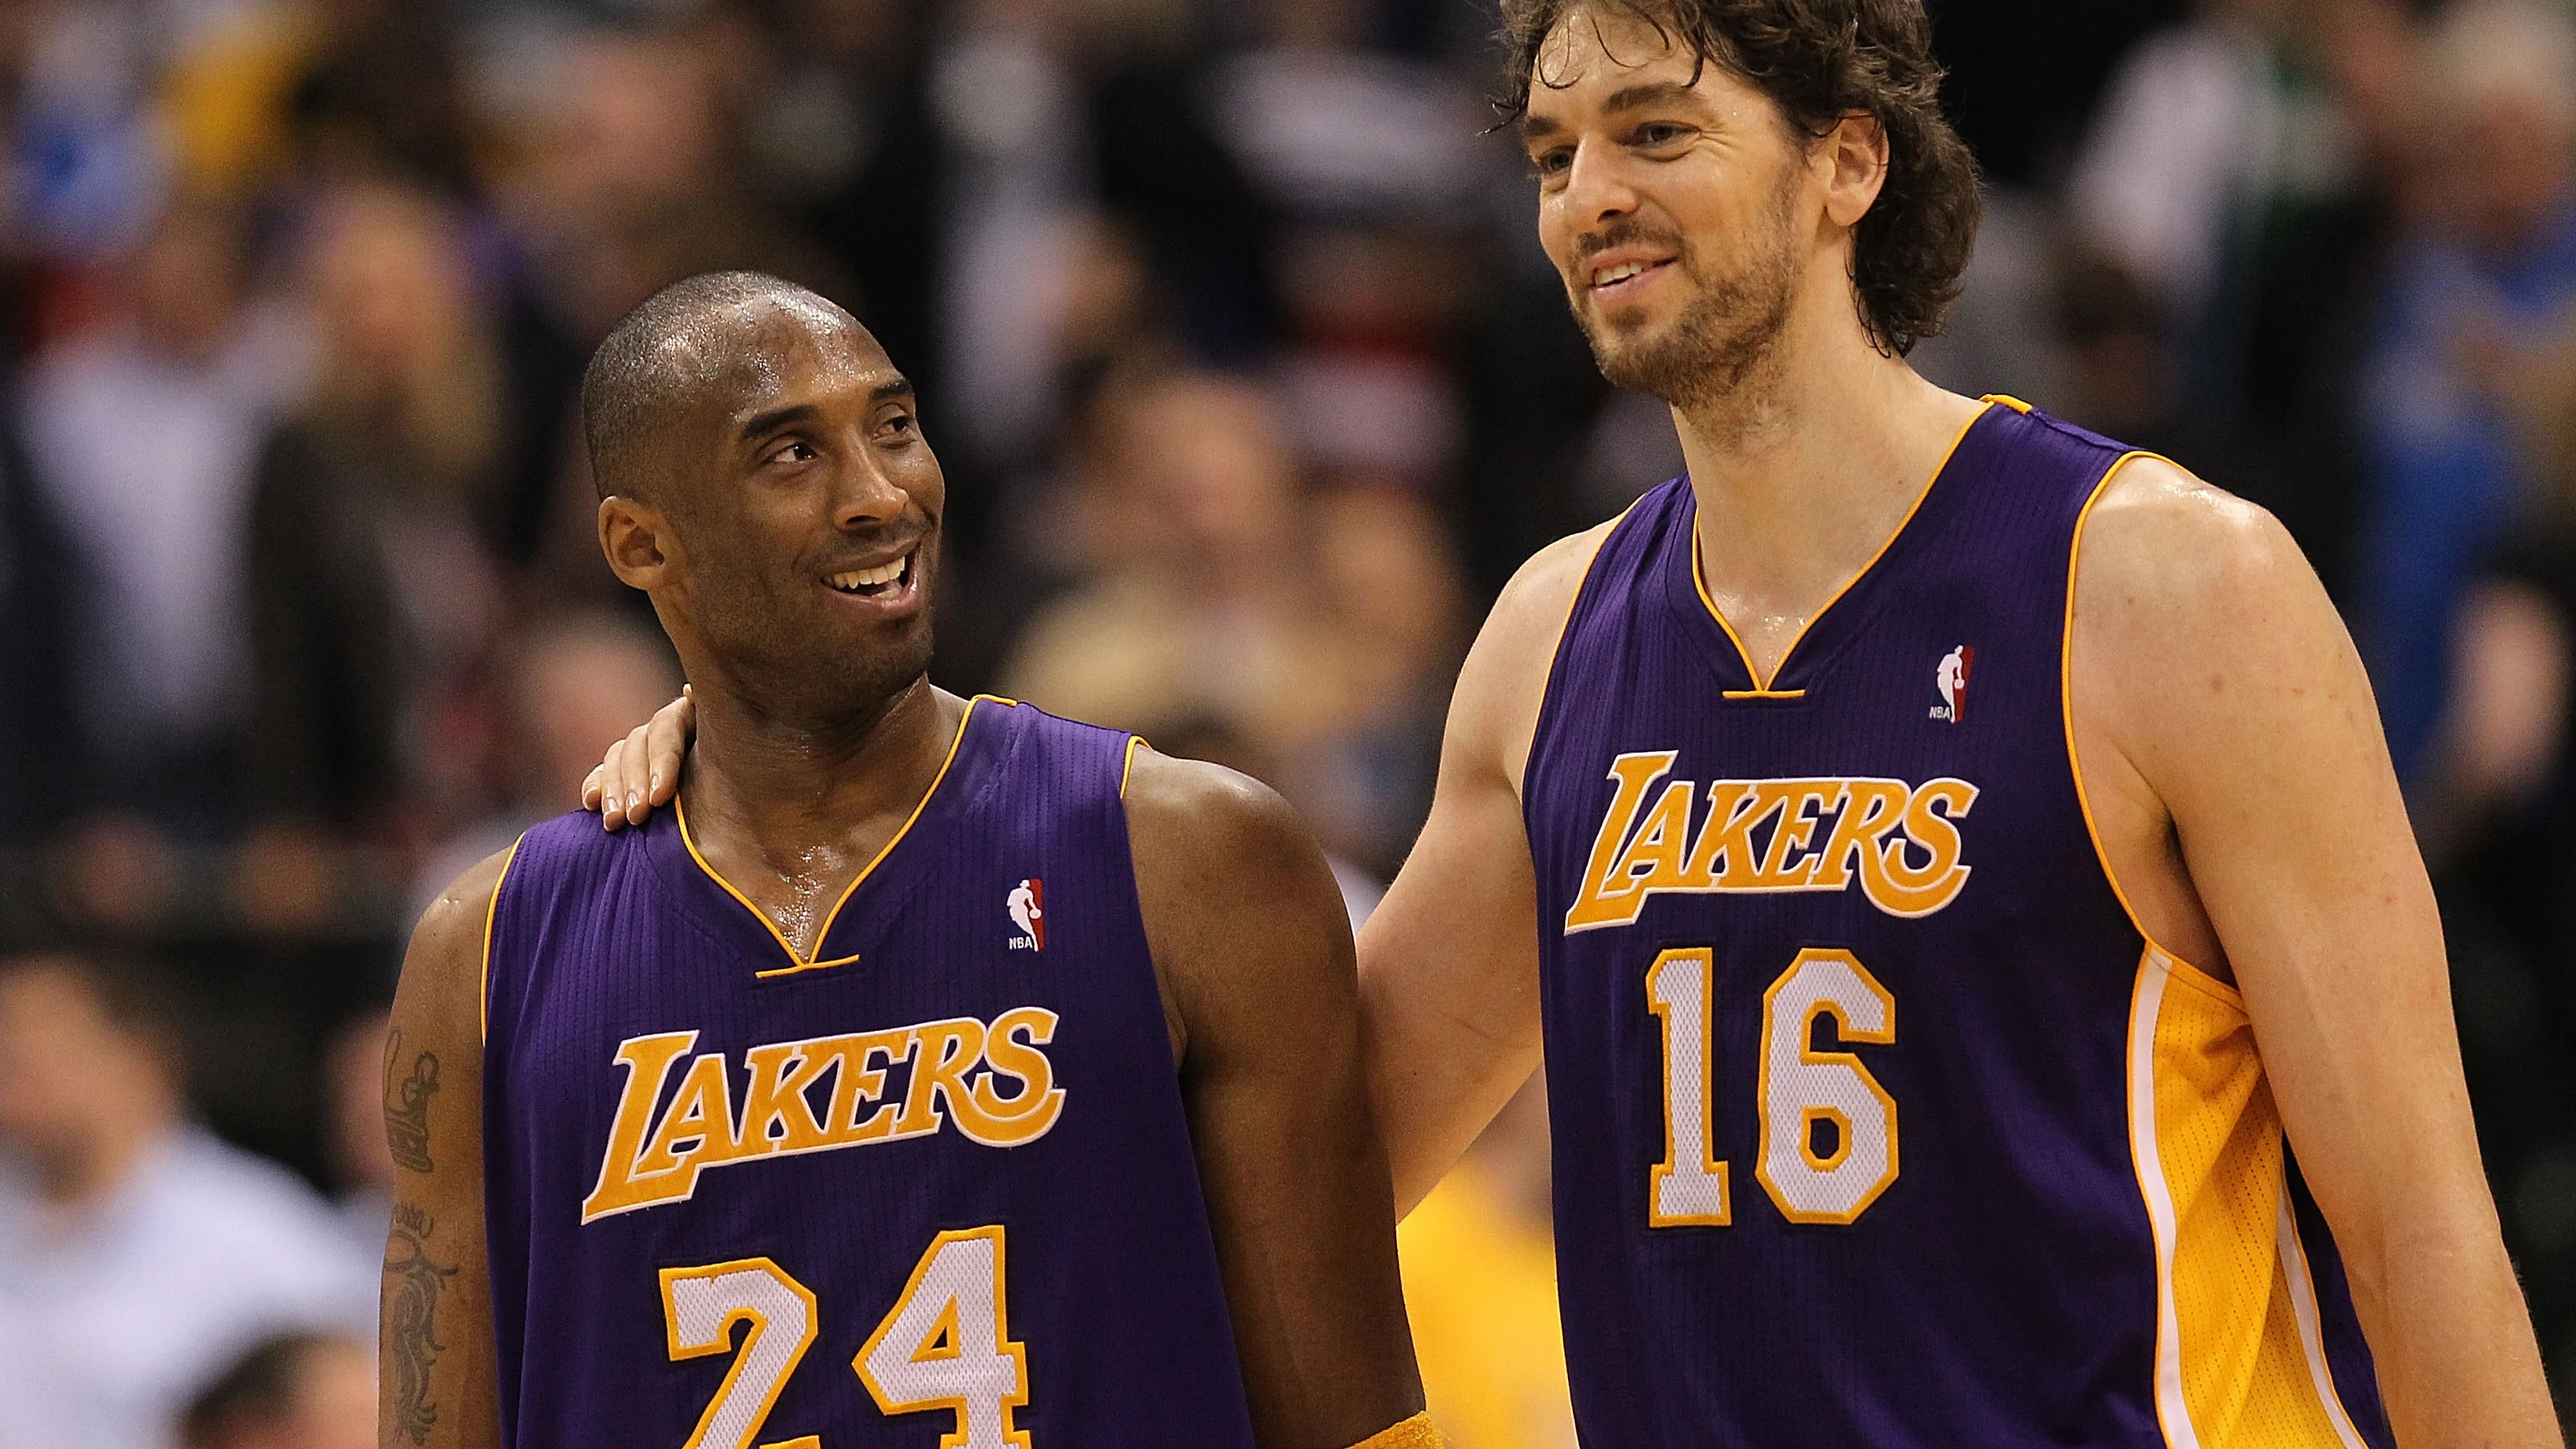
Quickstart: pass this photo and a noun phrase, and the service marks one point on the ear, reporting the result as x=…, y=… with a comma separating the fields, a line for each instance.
x=1853, y=158
x=641, y=548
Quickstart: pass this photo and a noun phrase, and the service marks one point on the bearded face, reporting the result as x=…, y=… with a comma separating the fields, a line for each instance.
x=1676, y=201
x=1726, y=321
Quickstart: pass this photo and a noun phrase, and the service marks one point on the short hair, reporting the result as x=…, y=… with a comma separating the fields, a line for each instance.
x=134, y=996
x=1820, y=61
x=656, y=353
x=259, y=1389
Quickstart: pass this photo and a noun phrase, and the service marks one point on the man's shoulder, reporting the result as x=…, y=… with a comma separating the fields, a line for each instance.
x=2159, y=537
x=1532, y=608
x=1214, y=815
x=1494, y=713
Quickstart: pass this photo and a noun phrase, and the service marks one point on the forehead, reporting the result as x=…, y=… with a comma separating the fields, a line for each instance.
x=771, y=352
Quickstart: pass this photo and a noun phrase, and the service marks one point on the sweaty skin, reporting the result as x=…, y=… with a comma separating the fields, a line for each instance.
x=2222, y=723
x=818, y=457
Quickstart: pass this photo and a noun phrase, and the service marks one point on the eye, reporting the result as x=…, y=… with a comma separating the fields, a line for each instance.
x=1555, y=161
x=898, y=428
x=1662, y=135
x=795, y=450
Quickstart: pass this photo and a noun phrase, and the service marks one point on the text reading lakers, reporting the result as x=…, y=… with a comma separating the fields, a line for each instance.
x=1898, y=842
x=821, y=1095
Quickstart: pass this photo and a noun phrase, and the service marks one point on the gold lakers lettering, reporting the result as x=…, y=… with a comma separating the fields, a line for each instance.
x=1899, y=841
x=819, y=1096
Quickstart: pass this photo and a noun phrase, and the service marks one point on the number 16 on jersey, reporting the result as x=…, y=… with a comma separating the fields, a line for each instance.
x=1828, y=1129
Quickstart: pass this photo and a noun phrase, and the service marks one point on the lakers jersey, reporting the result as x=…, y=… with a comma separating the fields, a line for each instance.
x=1878, y=1119
x=932, y=1186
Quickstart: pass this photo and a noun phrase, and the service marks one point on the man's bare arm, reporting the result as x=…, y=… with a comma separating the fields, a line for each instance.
x=1449, y=961
x=437, y=1383
x=1253, y=948
x=2214, y=684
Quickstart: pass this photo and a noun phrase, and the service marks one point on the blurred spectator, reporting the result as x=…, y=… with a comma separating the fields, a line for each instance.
x=2490, y=264
x=371, y=594
x=2225, y=171
x=1480, y=1289
x=380, y=94
x=144, y=439
x=1393, y=593
x=296, y=1391
x=1205, y=601
x=138, y=1255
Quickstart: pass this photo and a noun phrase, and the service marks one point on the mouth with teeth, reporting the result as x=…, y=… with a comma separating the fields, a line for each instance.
x=886, y=581
x=1620, y=279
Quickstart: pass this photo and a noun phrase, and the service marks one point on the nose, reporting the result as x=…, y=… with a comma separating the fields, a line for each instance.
x=863, y=495
x=1598, y=189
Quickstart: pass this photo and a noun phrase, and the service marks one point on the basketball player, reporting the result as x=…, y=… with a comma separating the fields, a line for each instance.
x=936, y=1073
x=1939, y=850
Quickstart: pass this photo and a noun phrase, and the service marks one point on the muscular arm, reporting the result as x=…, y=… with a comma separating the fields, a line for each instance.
x=1449, y=961
x=1253, y=948
x=437, y=1383
x=2234, y=756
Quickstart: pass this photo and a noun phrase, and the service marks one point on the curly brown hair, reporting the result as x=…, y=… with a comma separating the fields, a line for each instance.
x=1821, y=61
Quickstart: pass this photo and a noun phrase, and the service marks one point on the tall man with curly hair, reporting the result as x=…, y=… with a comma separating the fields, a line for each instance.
x=1949, y=860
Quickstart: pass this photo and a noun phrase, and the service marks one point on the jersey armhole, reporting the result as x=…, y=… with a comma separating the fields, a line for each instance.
x=1127, y=771
x=491, y=915
x=1556, y=648
x=2184, y=969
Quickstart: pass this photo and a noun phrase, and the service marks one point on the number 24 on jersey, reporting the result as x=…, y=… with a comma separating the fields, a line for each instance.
x=946, y=1344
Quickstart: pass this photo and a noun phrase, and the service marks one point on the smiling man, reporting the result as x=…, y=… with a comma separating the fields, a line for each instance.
x=1941, y=853
x=790, y=1120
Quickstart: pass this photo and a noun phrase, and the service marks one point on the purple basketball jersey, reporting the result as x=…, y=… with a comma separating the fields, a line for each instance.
x=1878, y=1119
x=932, y=1187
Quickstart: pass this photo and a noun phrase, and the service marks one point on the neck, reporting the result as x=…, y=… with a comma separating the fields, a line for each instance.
x=1803, y=474
x=789, y=813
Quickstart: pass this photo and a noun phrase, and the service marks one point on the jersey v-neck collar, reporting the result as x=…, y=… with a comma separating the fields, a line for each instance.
x=740, y=905
x=1821, y=635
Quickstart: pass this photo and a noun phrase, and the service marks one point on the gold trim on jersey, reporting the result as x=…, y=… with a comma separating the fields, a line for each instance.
x=1127, y=771
x=1762, y=685
x=491, y=913
x=797, y=962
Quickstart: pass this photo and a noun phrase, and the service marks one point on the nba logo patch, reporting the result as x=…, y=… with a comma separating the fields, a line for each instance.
x=1951, y=678
x=1028, y=912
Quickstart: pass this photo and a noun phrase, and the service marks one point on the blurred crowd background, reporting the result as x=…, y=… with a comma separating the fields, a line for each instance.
x=1252, y=388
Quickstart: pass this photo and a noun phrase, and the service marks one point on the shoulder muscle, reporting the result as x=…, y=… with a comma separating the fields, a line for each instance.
x=1503, y=684
x=443, y=972
x=1241, y=909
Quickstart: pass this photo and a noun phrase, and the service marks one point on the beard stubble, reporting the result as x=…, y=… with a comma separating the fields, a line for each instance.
x=1727, y=332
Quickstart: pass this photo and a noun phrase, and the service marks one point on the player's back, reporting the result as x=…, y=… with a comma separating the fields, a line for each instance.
x=941, y=1169
x=1878, y=1119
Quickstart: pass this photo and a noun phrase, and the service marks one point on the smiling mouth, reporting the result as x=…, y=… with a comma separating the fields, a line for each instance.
x=884, y=581
x=1610, y=281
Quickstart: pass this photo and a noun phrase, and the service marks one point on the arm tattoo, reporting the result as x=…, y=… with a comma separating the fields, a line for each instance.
x=407, y=1105
x=411, y=1313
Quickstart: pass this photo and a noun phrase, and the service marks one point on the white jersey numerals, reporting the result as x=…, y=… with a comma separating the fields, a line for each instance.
x=945, y=1345
x=1828, y=1129
x=700, y=1306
